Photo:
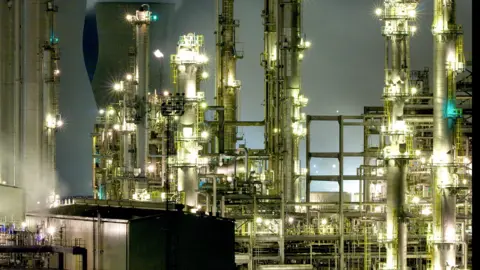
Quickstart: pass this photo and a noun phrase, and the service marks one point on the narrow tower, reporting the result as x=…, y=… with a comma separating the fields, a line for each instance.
x=227, y=83
x=447, y=61
x=397, y=16
x=141, y=21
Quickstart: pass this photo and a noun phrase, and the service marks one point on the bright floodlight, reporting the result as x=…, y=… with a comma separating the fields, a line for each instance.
x=324, y=221
x=59, y=123
x=418, y=152
x=129, y=17
x=204, y=134
x=129, y=77
x=24, y=224
x=412, y=13
x=203, y=105
x=414, y=29
x=378, y=11
x=56, y=72
x=259, y=220
x=117, y=87
x=158, y=54
x=290, y=220
x=51, y=230
x=151, y=168
x=165, y=93
x=204, y=75
x=415, y=200
x=101, y=111
x=308, y=44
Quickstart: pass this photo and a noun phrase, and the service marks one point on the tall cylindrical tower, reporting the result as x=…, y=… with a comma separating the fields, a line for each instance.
x=447, y=61
x=397, y=29
x=227, y=83
x=188, y=63
x=141, y=21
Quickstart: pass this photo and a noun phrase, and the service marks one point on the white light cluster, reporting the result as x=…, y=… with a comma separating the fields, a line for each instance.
x=52, y=122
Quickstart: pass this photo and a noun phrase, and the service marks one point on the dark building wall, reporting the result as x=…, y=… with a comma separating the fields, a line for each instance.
x=193, y=243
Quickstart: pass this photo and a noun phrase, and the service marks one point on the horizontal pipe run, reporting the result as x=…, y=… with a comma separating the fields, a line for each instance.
x=239, y=123
x=345, y=177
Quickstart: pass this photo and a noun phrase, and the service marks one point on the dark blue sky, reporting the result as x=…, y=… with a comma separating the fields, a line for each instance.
x=342, y=71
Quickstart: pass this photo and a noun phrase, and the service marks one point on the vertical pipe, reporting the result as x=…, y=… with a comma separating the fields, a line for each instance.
x=340, y=183
x=214, y=203
x=18, y=126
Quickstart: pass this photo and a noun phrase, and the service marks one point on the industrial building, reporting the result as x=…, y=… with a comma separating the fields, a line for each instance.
x=167, y=159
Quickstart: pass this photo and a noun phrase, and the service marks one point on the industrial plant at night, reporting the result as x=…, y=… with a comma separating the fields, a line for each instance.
x=174, y=184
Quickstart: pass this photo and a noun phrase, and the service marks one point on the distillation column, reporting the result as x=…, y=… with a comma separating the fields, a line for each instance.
x=397, y=16
x=447, y=60
x=50, y=96
x=188, y=61
x=141, y=21
x=290, y=47
x=227, y=84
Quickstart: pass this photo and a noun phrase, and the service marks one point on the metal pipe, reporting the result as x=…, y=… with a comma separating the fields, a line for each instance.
x=340, y=183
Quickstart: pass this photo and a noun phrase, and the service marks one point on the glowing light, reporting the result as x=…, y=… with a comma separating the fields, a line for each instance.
x=204, y=75
x=101, y=111
x=423, y=160
x=51, y=230
x=129, y=17
x=129, y=77
x=56, y=72
x=308, y=44
x=117, y=87
x=300, y=56
x=181, y=68
x=426, y=211
x=290, y=220
x=193, y=210
x=24, y=225
x=324, y=221
x=203, y=105
x=116, y=126
x=414, y=91
x=466, y=160
x=229, y=178
x=204, y=134
x=111, y=112
x=412, y=13
x=415, y=200
x=334, y=166
x=59, y=123
x=165, y=93
x=202, y=58
x=378, y=11
x=158, y=54
x=267, y=222
x=109, y=133
x=414, y=29
x=259, y=220
x=418, y=152
x=151, y=168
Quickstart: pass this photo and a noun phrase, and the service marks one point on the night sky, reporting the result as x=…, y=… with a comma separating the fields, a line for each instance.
x=343, y=71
